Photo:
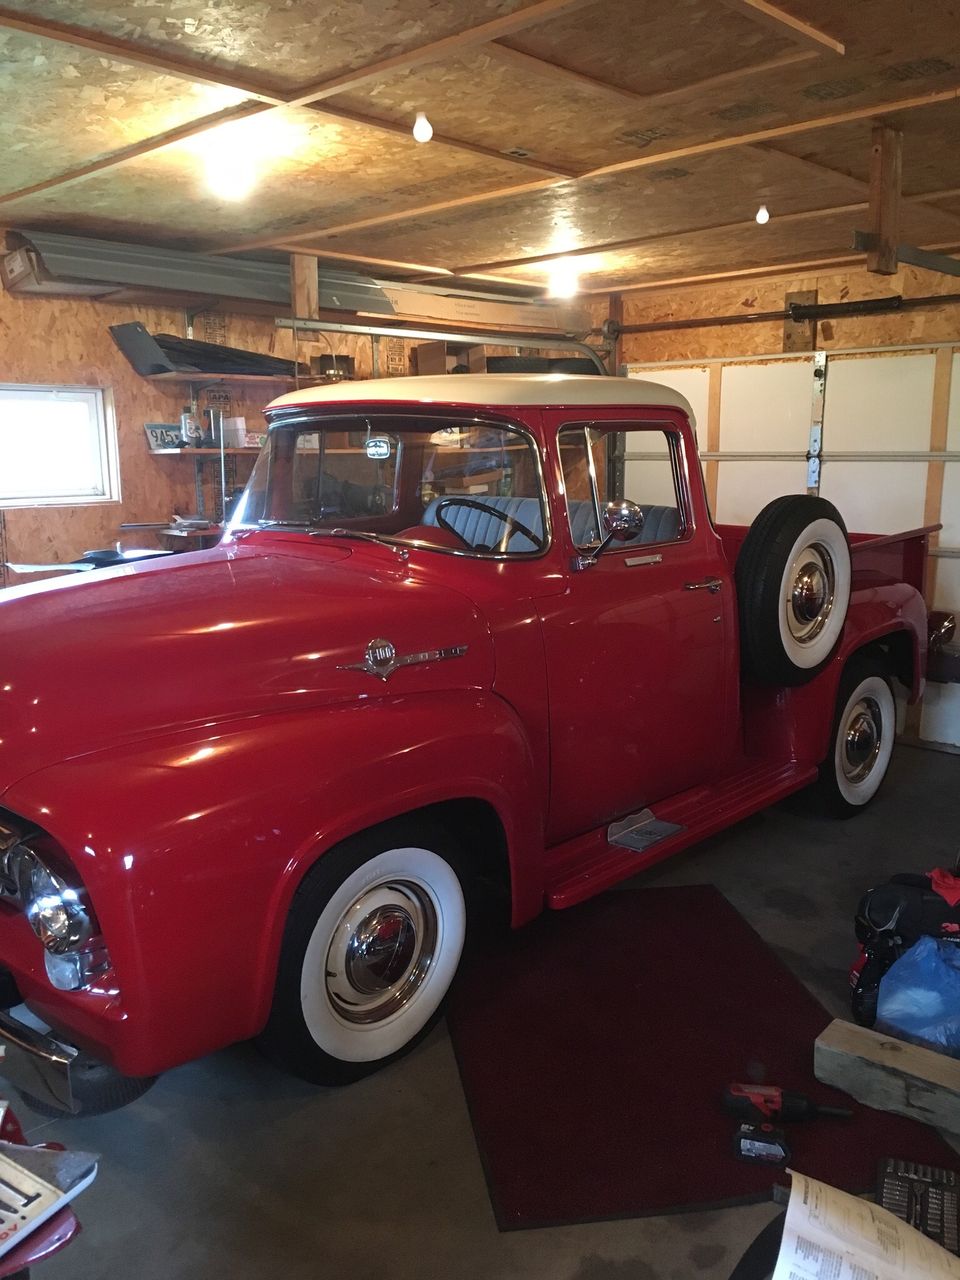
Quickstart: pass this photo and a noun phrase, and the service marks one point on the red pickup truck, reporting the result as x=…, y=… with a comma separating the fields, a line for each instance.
x=464, y=636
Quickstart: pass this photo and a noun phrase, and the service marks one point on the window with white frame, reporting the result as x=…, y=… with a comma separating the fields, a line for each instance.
x=58, y=447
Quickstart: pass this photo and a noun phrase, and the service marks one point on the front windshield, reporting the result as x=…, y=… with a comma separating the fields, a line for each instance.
x=448, y=483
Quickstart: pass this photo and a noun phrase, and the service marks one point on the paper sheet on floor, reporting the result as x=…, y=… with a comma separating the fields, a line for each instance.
x=830, y=1235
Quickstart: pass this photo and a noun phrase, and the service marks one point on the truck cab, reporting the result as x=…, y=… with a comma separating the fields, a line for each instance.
x=463, y=635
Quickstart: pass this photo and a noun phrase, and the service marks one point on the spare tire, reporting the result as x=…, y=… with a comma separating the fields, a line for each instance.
x=574, y=364
x=793, y=589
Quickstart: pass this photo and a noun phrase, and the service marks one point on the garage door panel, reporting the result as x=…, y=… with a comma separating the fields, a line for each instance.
x=879, y=403
x=766, y=407
x=940, y=720
x=877, y=497
x=953, y=415
x=947, y=595
x=745, y=488
x=694, y=383
x=950, y=509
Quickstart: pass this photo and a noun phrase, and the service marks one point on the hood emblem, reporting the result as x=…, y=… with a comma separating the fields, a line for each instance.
x=380, y=658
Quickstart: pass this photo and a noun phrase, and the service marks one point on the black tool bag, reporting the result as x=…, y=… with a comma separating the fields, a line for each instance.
x=890, y=919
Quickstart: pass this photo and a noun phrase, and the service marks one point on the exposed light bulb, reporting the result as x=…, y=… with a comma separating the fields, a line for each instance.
x=229, y=176
x=763, y=215
x=564, y=279
x=422, y=128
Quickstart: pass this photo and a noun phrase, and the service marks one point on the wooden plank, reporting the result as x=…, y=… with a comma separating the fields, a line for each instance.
x=568, y=76
x=445, y=140
x=529, y=16
x=361, y=259
x=712, y=467
x=785, y=24
x=890, y=1074
x=615, y=316
x=800, y=335
x=305, y=286
x=886, y=185
x=661, y=157
x=127, y=51
x=142, y=148
x=939, y=422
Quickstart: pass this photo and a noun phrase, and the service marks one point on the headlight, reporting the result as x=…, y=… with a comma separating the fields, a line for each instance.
x=56, y=911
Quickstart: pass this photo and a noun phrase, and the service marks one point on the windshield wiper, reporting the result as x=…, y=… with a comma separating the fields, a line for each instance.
x=346, y=533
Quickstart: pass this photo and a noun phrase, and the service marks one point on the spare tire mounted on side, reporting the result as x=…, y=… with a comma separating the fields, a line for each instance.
x=793, y=589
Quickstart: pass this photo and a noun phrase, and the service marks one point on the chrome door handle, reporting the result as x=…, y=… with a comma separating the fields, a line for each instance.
x=712, y=585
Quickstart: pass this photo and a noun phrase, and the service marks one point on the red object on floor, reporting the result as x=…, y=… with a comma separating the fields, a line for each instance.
x=595, y=1045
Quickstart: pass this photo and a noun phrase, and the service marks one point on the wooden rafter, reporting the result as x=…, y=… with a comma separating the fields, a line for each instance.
x=816, y=168
x=127, y=51
x=530, y=15
x=145, y=147
x=638, y=162
x=444, y=140
x=774, y=270
x=785, y=24
x=567, y=75
x=361, y=259
x=886, y=191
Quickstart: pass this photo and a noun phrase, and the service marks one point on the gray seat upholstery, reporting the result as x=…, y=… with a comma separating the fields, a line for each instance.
x=482, y=529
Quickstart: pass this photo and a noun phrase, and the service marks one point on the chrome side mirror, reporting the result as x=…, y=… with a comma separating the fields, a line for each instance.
x=622, y=520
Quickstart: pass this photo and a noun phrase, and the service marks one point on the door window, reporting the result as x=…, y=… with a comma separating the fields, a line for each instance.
x=602, y=465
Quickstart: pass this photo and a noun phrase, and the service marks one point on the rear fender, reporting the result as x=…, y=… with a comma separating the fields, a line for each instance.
x=797, y=723
x=192, y=846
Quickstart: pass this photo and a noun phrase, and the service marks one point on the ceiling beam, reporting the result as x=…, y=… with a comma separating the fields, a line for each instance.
x=644, y=161
x=142, y=148
x=530, y=15
x=817, y=169
x=363, y=260
x=785, y=24
x=127, y=51
x=445, y=140
x=787, y=270
x=886, y=189
x=567, y=75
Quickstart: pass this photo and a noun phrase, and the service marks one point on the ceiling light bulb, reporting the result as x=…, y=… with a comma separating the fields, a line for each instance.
x=230, y=177
x=564, y=280
x=763, y=214
x=422, y=128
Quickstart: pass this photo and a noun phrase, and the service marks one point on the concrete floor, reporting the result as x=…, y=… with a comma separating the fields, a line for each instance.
x=227, y=1168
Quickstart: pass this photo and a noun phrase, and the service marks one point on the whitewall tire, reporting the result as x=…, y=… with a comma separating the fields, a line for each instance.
x=793, y=578
x=863, y=737
x=373, y=941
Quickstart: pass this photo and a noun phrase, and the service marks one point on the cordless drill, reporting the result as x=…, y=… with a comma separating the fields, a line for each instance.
x=760, y=1107
x=761, y=1103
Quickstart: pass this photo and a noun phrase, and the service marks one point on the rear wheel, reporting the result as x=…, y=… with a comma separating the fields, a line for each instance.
x=372, y=944
x=863, y=735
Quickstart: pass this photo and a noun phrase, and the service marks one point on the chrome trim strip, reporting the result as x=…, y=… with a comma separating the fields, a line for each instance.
x=632, y=560
x=381, y=658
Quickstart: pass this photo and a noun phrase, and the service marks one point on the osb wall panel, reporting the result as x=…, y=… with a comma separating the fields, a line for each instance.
x=289, y=43
x=108, y=105
x=66, y=342
x=933, y=324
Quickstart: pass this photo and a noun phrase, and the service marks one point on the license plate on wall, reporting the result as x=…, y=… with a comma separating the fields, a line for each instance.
x=162, y=435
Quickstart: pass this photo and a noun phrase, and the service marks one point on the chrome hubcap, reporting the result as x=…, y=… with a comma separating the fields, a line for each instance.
x=812, y=587
x=862, y=738
x=381, y=951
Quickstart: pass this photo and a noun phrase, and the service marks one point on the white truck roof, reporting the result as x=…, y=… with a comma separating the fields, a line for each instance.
x=553, y=389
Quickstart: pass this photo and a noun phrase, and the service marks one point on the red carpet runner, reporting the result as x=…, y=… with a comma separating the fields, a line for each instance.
x=594, y=1045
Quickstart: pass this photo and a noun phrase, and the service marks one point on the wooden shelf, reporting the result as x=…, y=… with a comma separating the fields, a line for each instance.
x=205, y=378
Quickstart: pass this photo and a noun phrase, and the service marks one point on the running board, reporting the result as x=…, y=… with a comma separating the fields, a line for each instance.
x=586, y=865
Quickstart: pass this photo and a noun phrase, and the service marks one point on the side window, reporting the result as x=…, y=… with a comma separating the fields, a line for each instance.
x=602, y=465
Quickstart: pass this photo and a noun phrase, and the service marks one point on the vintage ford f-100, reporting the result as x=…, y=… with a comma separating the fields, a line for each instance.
x=463, y=636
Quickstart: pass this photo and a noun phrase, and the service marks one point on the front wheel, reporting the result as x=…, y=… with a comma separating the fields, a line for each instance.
x=372, y=944
x=863, y=736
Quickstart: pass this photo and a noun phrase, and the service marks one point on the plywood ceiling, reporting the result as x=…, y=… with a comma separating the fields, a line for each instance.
x=640, y=138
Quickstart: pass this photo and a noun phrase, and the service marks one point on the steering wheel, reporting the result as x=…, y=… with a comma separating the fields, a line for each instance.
x=512, y=525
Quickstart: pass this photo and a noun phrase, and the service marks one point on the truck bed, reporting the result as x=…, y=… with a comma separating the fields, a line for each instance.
x=878, y=559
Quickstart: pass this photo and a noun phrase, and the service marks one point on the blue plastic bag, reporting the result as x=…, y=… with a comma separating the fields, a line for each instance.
x=920, y=996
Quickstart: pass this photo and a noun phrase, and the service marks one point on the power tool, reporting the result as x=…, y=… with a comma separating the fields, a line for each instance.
x=759, y=1103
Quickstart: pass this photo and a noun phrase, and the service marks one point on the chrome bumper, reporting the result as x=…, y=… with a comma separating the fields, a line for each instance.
x=36, y=1063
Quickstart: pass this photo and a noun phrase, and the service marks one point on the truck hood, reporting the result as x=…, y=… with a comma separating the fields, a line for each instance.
x=118, y=655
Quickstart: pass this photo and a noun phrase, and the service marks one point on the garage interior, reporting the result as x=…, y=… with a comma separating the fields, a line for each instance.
x=756, y=205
